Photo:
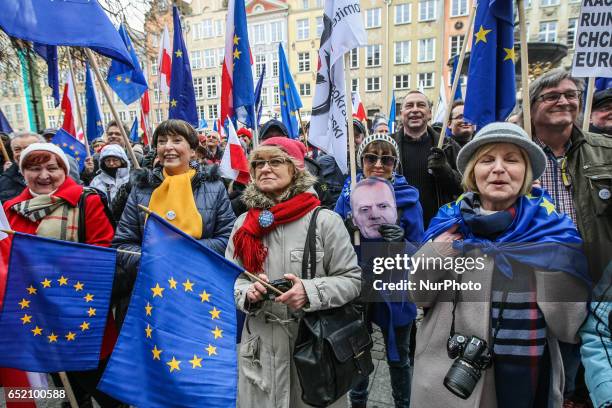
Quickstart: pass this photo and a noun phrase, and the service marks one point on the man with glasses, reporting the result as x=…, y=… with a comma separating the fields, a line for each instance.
x=461, y=131
x=601, y=113
x=578, y=177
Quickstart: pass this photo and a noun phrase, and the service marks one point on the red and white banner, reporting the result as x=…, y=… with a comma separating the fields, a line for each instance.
x=234, y=164
x=358, y=109
x=164, y=62
x=68, y=106
x=227, y=72
x=145, y=108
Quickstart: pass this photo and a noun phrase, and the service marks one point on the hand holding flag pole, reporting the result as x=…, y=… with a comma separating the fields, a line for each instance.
x=78, y=104
x=457, y=77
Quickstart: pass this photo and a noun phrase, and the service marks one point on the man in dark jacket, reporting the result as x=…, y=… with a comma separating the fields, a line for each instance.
x=431, y=170
x=461, y=131
x=601, y=112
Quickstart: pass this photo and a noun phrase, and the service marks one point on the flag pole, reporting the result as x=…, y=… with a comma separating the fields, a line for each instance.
x=457, y=77
x=589, y=101
x=302, y=127
x=78, y=103
x=68, y=387
x=255, y=130
x=524, y=68
x=4, y=152
x=126, y=140
x=351, y=131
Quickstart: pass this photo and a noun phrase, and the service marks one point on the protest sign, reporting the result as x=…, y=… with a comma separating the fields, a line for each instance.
x=593, y=55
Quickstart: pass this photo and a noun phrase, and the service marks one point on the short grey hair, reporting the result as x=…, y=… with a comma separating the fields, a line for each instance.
x=19, y=135
x=549, y=80
x=370, y=182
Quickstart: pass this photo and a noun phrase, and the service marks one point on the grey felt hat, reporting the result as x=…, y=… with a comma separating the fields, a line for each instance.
x=503, y=132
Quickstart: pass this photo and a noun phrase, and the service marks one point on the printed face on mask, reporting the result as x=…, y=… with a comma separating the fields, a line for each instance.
x=373, y=205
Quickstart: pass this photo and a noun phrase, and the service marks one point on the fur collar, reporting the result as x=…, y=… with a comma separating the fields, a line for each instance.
x=255, y=198
x=152, y=178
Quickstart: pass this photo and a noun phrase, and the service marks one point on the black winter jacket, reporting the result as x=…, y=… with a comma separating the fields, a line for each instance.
x=12, y=183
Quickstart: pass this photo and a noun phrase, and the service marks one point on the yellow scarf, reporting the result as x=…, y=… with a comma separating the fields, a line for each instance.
x=173, y=200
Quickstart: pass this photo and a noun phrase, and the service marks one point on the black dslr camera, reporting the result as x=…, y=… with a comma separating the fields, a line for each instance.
x=281, y=284
x=473, y=357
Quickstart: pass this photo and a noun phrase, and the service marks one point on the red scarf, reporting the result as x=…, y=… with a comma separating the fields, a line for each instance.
x=247, y=240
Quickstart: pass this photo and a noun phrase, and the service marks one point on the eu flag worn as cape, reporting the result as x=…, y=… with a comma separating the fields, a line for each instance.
x=491, y=92
x=49, y=54
x=182, y=95
x=128, y=82
x=94, y=120
x=538, y=236
x=56, y=304
x=177, y=346
x=289, y=97
x=70, y=146
x=77, y=23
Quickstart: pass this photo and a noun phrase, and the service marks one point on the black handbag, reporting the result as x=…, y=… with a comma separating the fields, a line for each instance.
x=332, y=349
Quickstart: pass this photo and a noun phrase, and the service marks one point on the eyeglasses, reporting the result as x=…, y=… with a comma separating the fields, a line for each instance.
x=274, y=163
x=553, y=97
x=371, y=159
x=458, y=117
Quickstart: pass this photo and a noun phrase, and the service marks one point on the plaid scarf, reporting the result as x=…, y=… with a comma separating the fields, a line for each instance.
x=55, y=217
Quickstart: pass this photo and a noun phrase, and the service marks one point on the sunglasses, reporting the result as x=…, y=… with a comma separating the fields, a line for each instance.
x=274, y=163
x=371, y=159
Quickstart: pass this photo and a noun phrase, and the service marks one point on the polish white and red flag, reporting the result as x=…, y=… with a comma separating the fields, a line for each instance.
x=68, y=106
x=164, y=62
x=358, y=109
x=234, y=164
x=145, y=108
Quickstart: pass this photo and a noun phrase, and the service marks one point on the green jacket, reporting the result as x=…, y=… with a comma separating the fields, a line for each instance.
x=590, y=167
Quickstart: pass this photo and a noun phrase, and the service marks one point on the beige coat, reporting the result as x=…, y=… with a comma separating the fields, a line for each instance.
x=473, y=317
x=267, y=375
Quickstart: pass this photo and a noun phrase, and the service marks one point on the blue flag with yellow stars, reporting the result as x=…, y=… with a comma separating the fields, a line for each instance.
x=49, y=54
x=71, y=147
x=182, y=95
x=56, y=304
x=289, y=96
x=5, y=126
x=128, y=82
x=538, y=235
x=94, y=120
x=491, y=91
x=177, y=346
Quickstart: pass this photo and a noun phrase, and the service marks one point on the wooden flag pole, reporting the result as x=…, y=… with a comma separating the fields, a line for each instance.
x=457, y=77
x=351, y=131
x=524, y=68
x=68, y=388
x=302, y=127
x=589, y=101
x=263, y=282
x=5, y=154
x=78, y=103
x=126, y=140
x=255, y=127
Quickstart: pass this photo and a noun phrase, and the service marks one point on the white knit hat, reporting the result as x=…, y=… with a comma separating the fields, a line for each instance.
x=383, y=137
x=44, y=147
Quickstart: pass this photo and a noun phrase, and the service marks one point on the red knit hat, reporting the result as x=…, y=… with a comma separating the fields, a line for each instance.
x=245, y=132
x=293, y=148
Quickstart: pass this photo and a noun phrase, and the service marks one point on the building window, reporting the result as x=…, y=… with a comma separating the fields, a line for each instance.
x=402, y=14
x=402, y=52
x=373, y=55
x=213, y=113
x=260, y=63
x=304, y=89
x=354, y=84
x=320, y=26
x=218, y=30
x=276, y=96
x=123, y=116
x=548, y=31
x=456, y=42
x=427, y=49
x=198, y=87
x=571, y=31
x=276, y=31
x=545, y=3
x=201, y=112
x=274, y=58
x=401, y=81
x=211, y=87
x=18, y=114
x=354, y=57
x=220, y=55
x=207, y=28
x=196, y=30
x=132, y=115
x=426, y=80
x=372, y=84
x=52, y=121
x=303, y=31
x=303, y=61
x=427, y=10
x=319, y=3
x=305, y=4
x=459, y=8
x=372, y=18
x=156, y=92
x=107, y=117
x=209, y=58
x=153, y=66
x=195, y=58
x=259, y=34
x=50, y=102
x=264, y=96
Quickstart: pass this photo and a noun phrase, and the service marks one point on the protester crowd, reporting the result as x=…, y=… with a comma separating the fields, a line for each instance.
x=538, y=336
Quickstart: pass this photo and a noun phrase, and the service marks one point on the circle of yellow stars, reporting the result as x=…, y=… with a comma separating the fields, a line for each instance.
x=215, y=314
x=26, y=319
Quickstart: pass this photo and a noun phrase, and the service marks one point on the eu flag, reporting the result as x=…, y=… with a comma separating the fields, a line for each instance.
x=458, y=92
x=70, y=146
x=5, y=126
x=76, y=23
x=177, y=346
x=128, y=82
x=56, y=304
x=134, y=131
x=289, y=97
x=244, y=96
x=258, y=88
x=49, y=54
x=392, y=114
x=182, y=96
x=94, y=120
x=491, y=91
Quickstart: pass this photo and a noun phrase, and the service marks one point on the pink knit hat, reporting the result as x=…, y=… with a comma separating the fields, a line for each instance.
x=293, y=148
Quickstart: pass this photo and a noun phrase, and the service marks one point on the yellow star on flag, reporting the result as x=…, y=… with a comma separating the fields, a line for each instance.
x=31, y=290
x=217, y=332
x=127, y=80
x=550, y=207
x=46, y=283
x=70, y=336
x=172, y=283
x=174, y=364
x=481, y=35
x=211, y=350
x=63, y=281
x=510, y=54
x=88, y=297
x=119, y=78
x=236, y=39
x=158, y=290
x=148, y=309
x=84, y=326
x=156, y=352
x=26, y=318
x=178, y=53
x=52, y=338
x=37, y=331
x=205, y=296
x=173, y=103
x=24, y=303
x=196, y=362
x=237, y=54
x=91, y=312
x=148, y=331
x=188, y=286
x=215, y=313
x=78, y=286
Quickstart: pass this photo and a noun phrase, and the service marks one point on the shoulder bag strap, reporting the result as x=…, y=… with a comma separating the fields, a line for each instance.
x=310, y=247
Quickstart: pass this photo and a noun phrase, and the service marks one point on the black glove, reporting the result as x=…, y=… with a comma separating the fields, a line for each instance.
x=350, y=226
x=391, y=232
x=437, y=165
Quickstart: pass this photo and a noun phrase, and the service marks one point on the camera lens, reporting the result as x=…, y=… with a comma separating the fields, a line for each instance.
x=462, y=378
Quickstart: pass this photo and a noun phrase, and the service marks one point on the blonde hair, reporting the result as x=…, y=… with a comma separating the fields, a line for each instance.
x=271, y=151
x=469, y=179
